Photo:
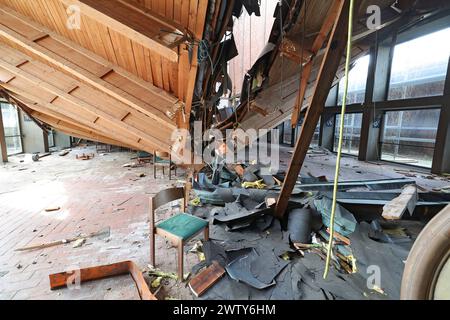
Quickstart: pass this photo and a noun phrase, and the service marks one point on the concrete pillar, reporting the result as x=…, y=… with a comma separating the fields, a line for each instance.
x=441, y=158
x=327, y=126
x=376, y=90
x=326, y=138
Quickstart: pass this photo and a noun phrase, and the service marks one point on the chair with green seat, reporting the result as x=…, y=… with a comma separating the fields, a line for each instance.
x=178, y=229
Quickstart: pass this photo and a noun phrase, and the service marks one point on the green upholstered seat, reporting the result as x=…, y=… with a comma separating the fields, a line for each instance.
x=161, y=160
x=183, y=225
x=143, y=154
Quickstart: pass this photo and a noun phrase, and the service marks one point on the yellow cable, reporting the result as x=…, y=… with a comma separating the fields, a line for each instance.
x=341, y=138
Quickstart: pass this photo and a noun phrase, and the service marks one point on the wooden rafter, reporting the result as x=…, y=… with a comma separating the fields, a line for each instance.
x=143, y=28
x=333, y=53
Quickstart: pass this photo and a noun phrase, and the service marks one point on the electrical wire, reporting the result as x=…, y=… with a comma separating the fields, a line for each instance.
x=341, y=138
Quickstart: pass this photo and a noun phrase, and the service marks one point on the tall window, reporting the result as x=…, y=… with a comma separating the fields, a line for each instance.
x=419, y=66
x=410, y=136
x=352, y=133
x=51, y=138
x=316, y=137
x=12, y=129
x=357, y=81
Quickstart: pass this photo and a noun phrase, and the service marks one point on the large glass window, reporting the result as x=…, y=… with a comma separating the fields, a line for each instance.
x=419, y=66
x=12, y=129
x=410, y=136
x=352, y=133
x=357, y=81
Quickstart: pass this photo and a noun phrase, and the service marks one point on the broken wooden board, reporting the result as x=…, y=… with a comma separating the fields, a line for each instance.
x=206, y=279
x=407, y=200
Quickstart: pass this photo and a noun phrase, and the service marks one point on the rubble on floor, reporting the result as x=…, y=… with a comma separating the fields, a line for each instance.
x=265, y=258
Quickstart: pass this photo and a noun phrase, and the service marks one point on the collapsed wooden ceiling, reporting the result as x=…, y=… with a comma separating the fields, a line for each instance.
x=128, y=72
x=120, y=73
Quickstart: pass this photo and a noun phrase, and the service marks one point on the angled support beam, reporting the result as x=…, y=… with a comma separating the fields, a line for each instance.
x=333, y=54
x=142, y=28
x=334, y=12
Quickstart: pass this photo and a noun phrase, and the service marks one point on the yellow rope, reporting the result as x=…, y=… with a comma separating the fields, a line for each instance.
x=341, y=138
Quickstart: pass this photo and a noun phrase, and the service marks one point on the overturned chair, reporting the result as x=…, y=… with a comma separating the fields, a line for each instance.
x=178, y=229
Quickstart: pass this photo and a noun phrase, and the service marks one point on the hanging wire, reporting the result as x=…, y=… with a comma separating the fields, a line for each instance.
x=282, y=56
x=305, y=10
x=341, y=138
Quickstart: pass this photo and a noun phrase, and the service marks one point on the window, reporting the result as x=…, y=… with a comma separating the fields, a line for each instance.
x=51, y=138
x=352, y=133
x=410, y=136
x=357, y=81
x=419, y=66
x=315, y=140
x=12, y=129
x=287, y=132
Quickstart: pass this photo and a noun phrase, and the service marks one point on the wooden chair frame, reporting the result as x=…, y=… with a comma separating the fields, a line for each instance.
x=162, y=198
x=163, y=165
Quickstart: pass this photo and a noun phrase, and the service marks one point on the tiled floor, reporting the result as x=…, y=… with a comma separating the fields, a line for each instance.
x=102, y=193
x=92, y=195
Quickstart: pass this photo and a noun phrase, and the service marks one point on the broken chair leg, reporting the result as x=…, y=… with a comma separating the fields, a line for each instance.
x=61, y=280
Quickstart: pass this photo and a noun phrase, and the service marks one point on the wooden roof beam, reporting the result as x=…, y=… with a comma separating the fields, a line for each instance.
x=140, y=27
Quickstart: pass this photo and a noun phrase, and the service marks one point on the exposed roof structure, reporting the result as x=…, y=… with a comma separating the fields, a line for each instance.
x=129, y=72
x=119, y=74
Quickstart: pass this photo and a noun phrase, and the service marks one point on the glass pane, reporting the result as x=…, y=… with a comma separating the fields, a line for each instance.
x=315, y=140
x=287, y=137
x=51, y=139
x=357, y=81
x=10, y=120
x=12, y=129
x=410, y=136
x=13, y=145
x=419, y=66
x=352, y=133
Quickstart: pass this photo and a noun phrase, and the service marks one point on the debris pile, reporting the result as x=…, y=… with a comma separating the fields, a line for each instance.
x=252, y=255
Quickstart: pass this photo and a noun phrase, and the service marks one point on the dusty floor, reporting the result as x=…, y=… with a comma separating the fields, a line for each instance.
x=92, y=195
x=102, y=193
